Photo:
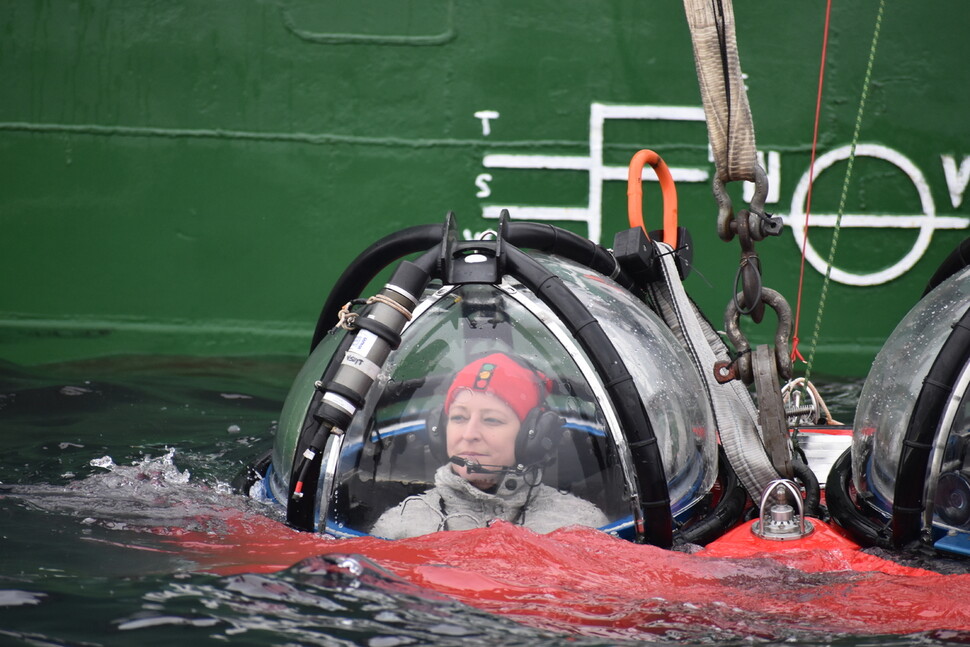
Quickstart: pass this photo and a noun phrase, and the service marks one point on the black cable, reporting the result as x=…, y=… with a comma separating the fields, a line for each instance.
x=373, y=260
x=864, y=530
x=620, y=388
x=726, y=513
x=958, y=259
x=813, y=493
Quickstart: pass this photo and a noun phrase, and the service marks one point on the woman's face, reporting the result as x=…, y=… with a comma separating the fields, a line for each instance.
x=481, y=428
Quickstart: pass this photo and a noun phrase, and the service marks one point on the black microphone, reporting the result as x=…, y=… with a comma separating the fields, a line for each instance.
x=474, y=467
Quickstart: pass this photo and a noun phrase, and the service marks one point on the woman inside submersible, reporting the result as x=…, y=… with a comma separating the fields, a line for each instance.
x=494, y=435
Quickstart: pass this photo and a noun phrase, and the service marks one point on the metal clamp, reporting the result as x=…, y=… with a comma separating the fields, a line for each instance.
x=725, y=212
x=750, y=225
x=741, y=366
x=760, y=223
x=749, y=273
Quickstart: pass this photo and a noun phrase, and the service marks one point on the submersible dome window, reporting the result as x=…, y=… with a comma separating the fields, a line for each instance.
x=385, y=456
x=910, y=461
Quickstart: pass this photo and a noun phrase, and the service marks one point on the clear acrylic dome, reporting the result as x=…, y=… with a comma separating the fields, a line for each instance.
x=392, y=454
x=893, y=385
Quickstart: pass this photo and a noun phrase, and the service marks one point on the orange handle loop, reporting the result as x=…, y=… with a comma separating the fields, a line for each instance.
x=634, y=193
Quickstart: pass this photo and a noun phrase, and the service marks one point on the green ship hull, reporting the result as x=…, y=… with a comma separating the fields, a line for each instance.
x=191, y=177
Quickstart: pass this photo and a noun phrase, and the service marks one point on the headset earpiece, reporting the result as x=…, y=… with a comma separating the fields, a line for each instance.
x=436, y=424
x=539, y=437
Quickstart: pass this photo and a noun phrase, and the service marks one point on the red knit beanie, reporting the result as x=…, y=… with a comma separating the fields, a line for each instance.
x=501, y=376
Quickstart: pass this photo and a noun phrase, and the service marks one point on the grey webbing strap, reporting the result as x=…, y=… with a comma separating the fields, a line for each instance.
x=734, y=411
x=729, y=124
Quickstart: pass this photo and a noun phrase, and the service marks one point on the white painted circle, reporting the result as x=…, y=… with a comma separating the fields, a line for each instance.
x=926, y=226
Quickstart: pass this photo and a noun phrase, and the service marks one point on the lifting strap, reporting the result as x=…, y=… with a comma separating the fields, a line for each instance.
x=735, y=415
x=729, y=124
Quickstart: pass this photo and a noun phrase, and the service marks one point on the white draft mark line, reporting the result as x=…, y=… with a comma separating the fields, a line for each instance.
x=884, y=221
x=573, y=163
x=521, y=212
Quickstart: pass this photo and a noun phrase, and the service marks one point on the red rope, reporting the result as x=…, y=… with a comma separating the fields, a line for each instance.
x=795, y=354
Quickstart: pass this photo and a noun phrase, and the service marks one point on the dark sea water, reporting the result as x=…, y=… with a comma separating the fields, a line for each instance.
x=117, y=527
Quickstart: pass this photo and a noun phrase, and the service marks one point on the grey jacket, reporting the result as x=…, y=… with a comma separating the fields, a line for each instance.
x=456, y=504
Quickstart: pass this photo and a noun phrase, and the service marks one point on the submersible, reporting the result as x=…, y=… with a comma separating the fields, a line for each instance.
x=637, y=436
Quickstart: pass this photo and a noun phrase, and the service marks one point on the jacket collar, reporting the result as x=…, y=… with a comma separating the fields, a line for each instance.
x=512, y=488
